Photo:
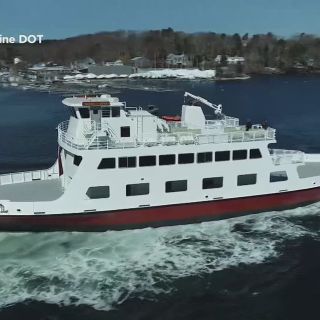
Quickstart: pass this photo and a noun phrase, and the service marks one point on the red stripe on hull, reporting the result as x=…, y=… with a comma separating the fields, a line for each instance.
x=159, y=216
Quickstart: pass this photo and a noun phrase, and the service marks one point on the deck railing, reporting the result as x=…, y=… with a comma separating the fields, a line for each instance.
x=27, y=176
x=100, y=138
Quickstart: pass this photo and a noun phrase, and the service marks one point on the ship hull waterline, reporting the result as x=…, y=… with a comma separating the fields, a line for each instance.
x=158, y=216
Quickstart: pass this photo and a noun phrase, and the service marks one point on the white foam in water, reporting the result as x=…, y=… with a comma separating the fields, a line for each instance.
x=104, y=269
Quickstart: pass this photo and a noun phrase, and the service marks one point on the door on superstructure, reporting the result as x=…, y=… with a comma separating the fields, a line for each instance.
x=95, y=115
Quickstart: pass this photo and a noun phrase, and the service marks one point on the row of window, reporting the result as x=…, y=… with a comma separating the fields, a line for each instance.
x=139, y=189
x=107, y=112
x=183, y=158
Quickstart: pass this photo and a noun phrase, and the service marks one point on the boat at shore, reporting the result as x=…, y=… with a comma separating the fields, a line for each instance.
x=121, y=167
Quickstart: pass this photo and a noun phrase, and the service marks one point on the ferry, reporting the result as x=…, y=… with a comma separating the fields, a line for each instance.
x=121, y=167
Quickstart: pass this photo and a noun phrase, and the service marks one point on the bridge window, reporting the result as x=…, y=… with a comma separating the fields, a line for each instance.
x=137, y=189
x=115, y=111
x=204, y=157
x=106, y=113
x=125, y=131
x=278, y=176
x=84, y=112
x=176, y=186
x=255, y=154
x=222, y=156
x=239, y=155
x=127, y=162
x=147, y=161
x=167, y=159
x=184, y=158
x=98, y=192
x=211, y=183
x=247, y=179
x=77, y=160
x=107, y=163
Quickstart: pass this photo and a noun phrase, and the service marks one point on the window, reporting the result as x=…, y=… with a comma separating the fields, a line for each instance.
x=278, y=176
x=137, y=189
x=95, y=111
x=239, y=155
x=176, y=186
x=211, y=183
x=111, y=112
x=247, y=179
x=84, y=112
x=184, y=158
x=77, y=160
x=204, y=157
x=106, y=113
x=115, y=112
x=147, y=161
x=167, y=159
x=98, y=192
x=127, y=162
x=107, y=163
x=255, y=154
x=222, y=156
x=125, y=131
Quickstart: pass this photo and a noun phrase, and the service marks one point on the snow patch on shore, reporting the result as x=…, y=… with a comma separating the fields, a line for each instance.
x=152, y=74
x=176, y=73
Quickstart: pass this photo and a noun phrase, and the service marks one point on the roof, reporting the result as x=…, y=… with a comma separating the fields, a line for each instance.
x=87, y=102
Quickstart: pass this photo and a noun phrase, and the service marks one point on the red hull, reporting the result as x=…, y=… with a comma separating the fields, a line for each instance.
x=160, y=216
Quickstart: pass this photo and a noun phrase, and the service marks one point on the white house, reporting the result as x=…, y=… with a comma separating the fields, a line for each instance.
x=230, y=60
x=178, y=60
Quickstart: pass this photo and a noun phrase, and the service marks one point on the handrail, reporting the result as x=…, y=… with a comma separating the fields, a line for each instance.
x=27, y=176
x=96, y=141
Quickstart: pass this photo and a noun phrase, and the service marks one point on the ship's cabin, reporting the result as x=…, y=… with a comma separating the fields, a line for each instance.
x=105, y=122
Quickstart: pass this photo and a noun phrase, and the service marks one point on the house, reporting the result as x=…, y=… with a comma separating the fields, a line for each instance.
x=141, y=62
x=114, y=63
x=235, y=60
x=82, y=65
x=46, y=72
x=178, y=60
x=17, y=60
x=229, y=60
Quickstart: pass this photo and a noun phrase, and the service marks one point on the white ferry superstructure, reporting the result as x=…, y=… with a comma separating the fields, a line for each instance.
x=121, y=167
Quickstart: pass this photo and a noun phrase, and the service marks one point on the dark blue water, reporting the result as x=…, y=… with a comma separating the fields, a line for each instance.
x=259, y=267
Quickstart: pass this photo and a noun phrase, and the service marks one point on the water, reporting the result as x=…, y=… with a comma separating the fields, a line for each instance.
x=264, y=266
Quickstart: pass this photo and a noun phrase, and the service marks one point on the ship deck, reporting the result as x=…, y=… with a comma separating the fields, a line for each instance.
x=37, y=190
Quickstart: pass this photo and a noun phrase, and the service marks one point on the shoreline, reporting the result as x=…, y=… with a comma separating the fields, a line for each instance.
x=98, y=86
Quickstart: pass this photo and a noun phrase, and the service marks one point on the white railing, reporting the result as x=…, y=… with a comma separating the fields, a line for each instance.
x=254, y=134
x=226, y=122
x=281, y=156
x=96, y=137
x=231, y=121
x=27, y=176
x=92, y=138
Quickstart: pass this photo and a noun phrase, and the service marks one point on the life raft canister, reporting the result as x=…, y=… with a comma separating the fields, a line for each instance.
x=171, y=118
